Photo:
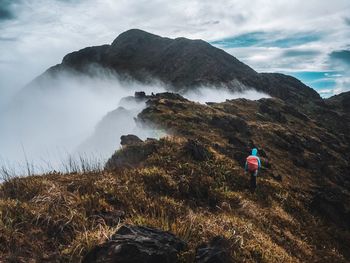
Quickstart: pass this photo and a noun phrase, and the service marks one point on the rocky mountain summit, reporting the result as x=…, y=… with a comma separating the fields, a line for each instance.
x=181, y=64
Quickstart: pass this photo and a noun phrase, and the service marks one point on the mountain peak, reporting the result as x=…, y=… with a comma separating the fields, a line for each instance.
x=133, y=35
x=184, y=64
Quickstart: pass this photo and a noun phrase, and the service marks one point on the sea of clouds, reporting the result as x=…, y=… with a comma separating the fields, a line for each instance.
x=74, y=116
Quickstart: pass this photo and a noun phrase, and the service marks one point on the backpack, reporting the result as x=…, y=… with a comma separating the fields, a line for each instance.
x=252, y=162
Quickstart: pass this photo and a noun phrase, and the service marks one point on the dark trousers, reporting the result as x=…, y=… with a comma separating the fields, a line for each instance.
x=253, y=176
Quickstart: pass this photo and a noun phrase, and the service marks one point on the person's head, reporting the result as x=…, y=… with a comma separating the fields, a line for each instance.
x=255, y=151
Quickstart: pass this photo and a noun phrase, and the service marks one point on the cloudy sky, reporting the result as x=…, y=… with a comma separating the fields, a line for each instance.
x=307, y=39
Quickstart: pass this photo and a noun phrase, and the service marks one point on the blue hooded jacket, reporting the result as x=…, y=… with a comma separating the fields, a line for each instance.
x=255, y=154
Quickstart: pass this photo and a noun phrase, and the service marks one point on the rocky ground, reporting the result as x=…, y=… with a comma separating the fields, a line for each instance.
x=185, y=197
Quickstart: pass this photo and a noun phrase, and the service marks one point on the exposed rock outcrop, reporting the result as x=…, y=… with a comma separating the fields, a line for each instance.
x=140, y=244
x=133, y=153
x=130, y=139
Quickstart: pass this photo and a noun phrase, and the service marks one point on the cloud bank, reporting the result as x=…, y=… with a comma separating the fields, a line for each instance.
x=214, y=94
x=71, y=116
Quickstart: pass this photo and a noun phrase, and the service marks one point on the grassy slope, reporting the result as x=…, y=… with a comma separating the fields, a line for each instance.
x=59, y=217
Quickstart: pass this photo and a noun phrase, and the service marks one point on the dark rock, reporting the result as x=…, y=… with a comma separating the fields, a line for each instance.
x=131, y=244
x=140, y=95
x=217, y=251
x=130, y=139
x=151, y=140
x=197, y=150
x=132, y=155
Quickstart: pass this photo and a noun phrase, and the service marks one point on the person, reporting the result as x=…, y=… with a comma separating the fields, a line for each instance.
x=252, y=165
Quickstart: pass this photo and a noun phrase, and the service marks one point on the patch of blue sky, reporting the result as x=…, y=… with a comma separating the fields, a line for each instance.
x=324, y=82
x=244, y=40
x=310, y=76
x=267, y=39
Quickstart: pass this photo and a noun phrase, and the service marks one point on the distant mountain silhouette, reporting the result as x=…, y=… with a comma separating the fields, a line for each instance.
x=181, y=64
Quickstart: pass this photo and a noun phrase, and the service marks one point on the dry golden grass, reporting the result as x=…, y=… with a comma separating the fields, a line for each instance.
x=62, y=216
x=59, y=217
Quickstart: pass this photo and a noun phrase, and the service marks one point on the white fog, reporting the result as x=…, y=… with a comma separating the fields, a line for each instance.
x=45, y=125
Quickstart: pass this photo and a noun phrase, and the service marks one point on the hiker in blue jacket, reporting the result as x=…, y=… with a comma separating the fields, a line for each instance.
x=252, y=165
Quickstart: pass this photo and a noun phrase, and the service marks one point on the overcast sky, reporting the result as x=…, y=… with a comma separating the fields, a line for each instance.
x=308, y=39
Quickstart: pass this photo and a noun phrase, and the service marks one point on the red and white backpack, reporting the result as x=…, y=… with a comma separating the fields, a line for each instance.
x=252, y=162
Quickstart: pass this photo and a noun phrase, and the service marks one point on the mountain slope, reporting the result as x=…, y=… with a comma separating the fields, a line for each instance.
x=182, y=64
x=340, y=102
x=193, y=184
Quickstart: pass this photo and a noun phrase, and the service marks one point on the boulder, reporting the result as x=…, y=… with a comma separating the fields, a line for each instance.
x=140, y=95
x=133, y=154
x=131, y=244
x=130, y=139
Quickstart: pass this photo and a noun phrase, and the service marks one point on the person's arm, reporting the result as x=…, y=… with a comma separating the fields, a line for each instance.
x=259, y=162
x=246, y=166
